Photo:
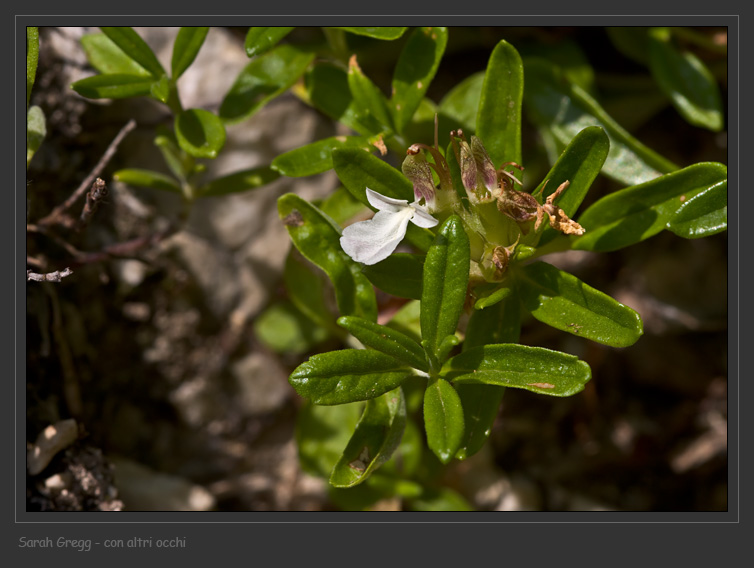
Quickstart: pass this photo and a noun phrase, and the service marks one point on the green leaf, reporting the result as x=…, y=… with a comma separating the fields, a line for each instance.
x=147, y=178
x=703, y=215
x=284, y=329
x=32, y=58
x=633, y=42
x=498, y=121
x=259, y=40
x=187, y=44
x=328, y=91
x=446, y=276
x=384, y=33
x=371, y=103
x=563, y=110
x=377, y=435
x=564, y=302
x=305, y=285
x=180, y=163
x=580, y=163
x=636, y=213
x=414, y=71
x=349, y=375
x=160, y=89
x=36, y=130
x=316, y=157
x=322, y=433
x=108, y=58
x=461, y=103
x=535, y=369
x=685, y=79
x=442, y=499
x=317, y=237
x=237, y=182
x=400, y=274
x=407, y=320
x=500, y=323
x=262, y=80
x=386, y=340
x=200, y=133
x=443, y=419
x=114, y=86
x=136, y=48
x=358, y=170
x=341, y=206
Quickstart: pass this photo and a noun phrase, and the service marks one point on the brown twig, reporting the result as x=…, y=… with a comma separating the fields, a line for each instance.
x=57, y=215
x=93, y=199
x=56, y=276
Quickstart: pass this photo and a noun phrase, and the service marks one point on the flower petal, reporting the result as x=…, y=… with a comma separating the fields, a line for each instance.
x=421, y=218
x=373, y=240
x=383, y=203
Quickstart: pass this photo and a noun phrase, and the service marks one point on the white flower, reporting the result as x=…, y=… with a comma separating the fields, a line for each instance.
x=373, y=240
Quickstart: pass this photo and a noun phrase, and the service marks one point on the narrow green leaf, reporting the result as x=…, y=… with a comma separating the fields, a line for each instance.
x=500, y=323
x=306, y=287
x=317, y=237
x=580, y=163
x=147, y=178
x=136, y=48
x=322, y=433
x=284, y=329
x=187, y=44
x=564, y=302
x=341, y=206
x=160, y=89
x=262, y=80
x=442, y=499
x=633, y=42
x=200, y=133
x=685, y=79
x=358, y=170
x=443, y=419
x=328, y=91
x=384, y=33
x=703, y=215
x=316, y=157
x=259, y=40
x=459, y=107
x=400, y=274
x=36, y=130
x=108, y=58
x=386, y=340
x=563, y=110
x=180, y=163
x=535, y=369
x=490, y=294
x=498, y=120
x=349, y=375
x=377, y=435
x=414, y=71
x=407, y=320
x=32, y=58
x=372, y=104
x=239, y=181
x=446, y=276
x=636, y=213
x=113, y=86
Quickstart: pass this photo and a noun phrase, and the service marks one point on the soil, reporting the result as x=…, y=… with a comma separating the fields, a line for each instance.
x=181, y=406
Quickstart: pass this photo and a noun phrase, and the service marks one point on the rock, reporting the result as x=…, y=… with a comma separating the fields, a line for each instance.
x=262, y=383
x=51, y=440
x=143, y=489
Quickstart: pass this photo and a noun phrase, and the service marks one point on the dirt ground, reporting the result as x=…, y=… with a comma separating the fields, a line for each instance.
x=180, y=406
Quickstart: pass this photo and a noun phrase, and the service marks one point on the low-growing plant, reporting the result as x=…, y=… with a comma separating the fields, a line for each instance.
x=458, y=233
x=477, y=264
